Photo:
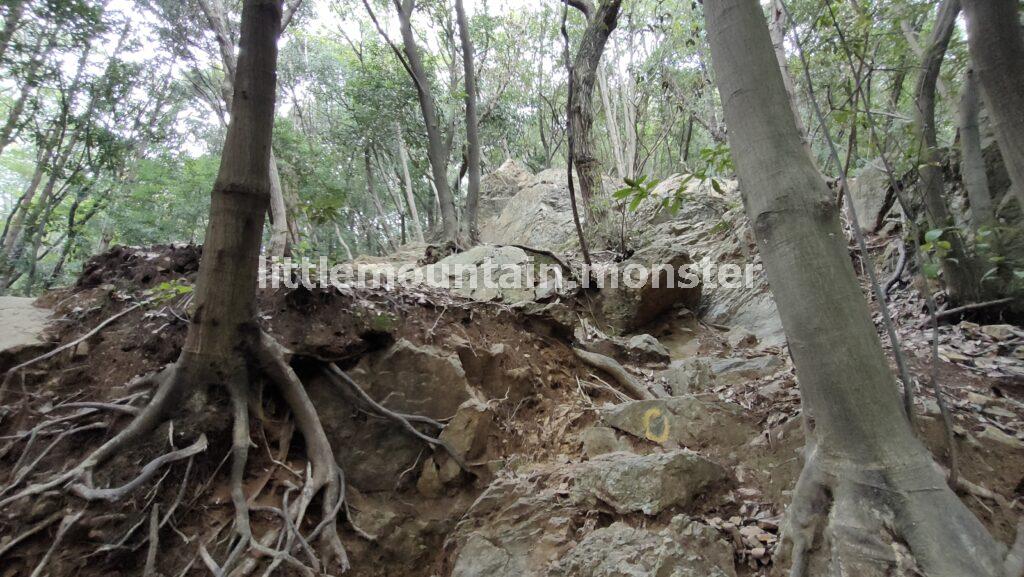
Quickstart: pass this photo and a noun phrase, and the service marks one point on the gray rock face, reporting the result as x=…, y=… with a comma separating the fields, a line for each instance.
x=495, y=273
x=685, y=420
x=869, y=190
x=688, y=376
x=22, y=323
x=407, y=378
x=646, y=347
x=626, y=309
x=647, y=484
x=526, y=527
x=601, y=441
x=684, y=549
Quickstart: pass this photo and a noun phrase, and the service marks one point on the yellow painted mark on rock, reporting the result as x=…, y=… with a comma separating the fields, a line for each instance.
x=656, y=426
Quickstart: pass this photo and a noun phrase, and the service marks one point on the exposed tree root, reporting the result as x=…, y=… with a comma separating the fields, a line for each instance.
x=857, y=520
x=319, y=551
x=628, y=382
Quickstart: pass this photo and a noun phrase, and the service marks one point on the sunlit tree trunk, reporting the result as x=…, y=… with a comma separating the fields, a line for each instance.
x=972, y=163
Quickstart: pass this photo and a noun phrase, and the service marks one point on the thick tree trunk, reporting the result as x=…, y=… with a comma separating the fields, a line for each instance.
x=600, y=24
x=410, y=198
x=864, y=464
x=963, y=282
x=15, y=11
x=225, y=293
x=280, y=214
x=436, y=150
x=472, y=126
x=997, y=50
x=972, y=163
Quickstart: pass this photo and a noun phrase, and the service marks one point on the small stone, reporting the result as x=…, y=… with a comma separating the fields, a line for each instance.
x=429, y=483
x=647, y=347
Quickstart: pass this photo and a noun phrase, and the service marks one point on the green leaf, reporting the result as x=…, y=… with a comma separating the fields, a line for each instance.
x=933, y=235
x=623, y=193
x=636, y=203
x=716, y=186
x=931, y=270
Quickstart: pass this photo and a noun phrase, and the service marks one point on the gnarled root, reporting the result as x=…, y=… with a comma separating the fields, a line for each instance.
x=857, y=520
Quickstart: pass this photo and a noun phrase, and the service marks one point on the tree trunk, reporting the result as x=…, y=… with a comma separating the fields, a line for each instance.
x=864, y=464
x=972, y=163
x=472, y=126
x=15, y=10
x=436, y=151
x=410, y=198
x=371, y=191
x=778, y=34
x=280, y=231
x=997, y=50
x=225, y=293
x=960, y=272
x=600, y=25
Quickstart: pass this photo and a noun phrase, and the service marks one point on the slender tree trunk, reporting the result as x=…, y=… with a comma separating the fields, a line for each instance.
x=472, y=127
x=600, y=25
x=960, y=272
x=341, y=240
x=972, y=163
x=225, y=293
x=436, y=151
x=867, y=481
x=997, y=50
x=613, y=124
x=280, y=215
x=778, y=33
x=371, y=191
x=15, y=11
x=410, y=198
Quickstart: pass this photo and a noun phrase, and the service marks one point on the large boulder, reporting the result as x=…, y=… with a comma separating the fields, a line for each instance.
x=23, y=325
x=872, y=197
x=655, y=291
x=496, y=273
x=685, y=548
x=408, y=378
x=647, y=484
x=685, y=420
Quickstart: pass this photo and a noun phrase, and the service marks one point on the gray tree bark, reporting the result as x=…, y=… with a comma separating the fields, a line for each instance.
x=436, y=150
x=600, y=25
x=472, y=126
x=410, y=198
x=867, y=480
x=997, y=50
x=961, y=274
x=972, y=163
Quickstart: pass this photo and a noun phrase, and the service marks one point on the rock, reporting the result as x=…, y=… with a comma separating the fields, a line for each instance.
x=501, y=185
x=408, y=378
x=647, y=348
x=429, y=484
x=23, y=323
x=684, y=420
x=538, y=214
x=494, y=371
x=870, y=192
x=996, y=435
x=468, y=431
x=525, y=526
x=625, y=309
x=414, y=379
x=683, y=549
x=999, y=332
x=600, y=441
x=753, y=368
x=688, y=376
x=495, y=273
x=741, y=338
x=648, y=484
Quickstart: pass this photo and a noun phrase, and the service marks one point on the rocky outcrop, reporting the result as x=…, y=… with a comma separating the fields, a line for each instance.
x=506, y=274
x=526, y=525
x=23, y=325
x=685, y=548
x=872, y=196
x=686, y=421
x=648, y=484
